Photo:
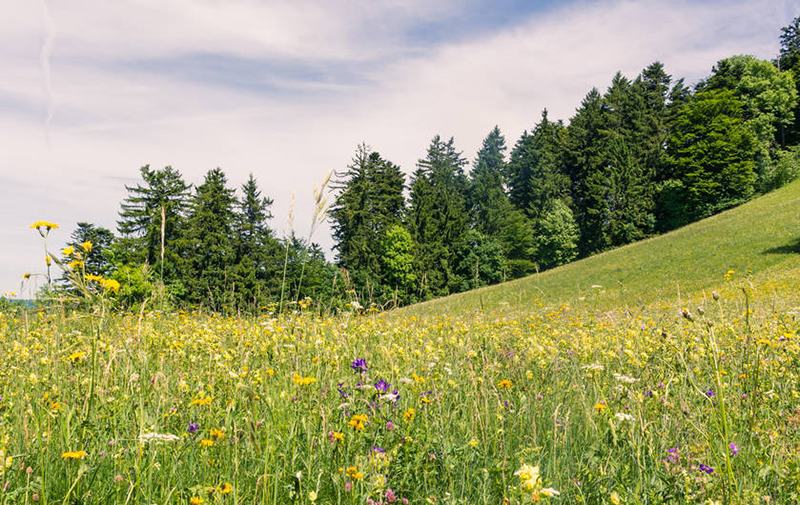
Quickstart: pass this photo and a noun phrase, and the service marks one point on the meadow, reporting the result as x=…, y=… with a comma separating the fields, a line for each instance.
x=676, y=384
x=664, y=404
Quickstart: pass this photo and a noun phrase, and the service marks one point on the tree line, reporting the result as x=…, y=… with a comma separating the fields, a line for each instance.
x=645, y=156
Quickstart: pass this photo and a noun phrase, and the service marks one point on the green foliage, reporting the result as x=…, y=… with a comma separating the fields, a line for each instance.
x=135, y=284
x=534, y=171
x=206, y=249
x=557, y=236
x=141, y=219
x=369, y=202
x=712, y=153
x=437, y=217
x=397, y=259
x=99, y=260
x=480, y=261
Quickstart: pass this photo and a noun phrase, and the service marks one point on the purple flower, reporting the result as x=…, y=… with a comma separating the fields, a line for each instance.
x=375, y=448
x=382, y=386
x=192, y=428
x=342, y=392
x=390, y=496
x=390, y=426
x=359, y=365
x=734, y=449
x=707, y=469
x=710, y=393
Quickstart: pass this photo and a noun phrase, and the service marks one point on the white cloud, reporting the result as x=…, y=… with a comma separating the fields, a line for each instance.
x=111, y=116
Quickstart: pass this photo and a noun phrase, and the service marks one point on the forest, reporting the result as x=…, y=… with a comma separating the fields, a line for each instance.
x=646, y=156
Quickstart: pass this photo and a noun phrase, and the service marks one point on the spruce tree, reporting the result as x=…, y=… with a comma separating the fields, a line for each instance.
x=164, y=195
x=208, y=247
x=438, y=217
x=98, y=259
x=369, y=202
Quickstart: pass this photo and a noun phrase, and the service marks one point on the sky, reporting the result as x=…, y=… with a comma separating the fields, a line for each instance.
x=286, y=90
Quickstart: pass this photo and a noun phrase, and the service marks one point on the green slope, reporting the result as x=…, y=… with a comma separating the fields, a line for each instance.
x=753, y=238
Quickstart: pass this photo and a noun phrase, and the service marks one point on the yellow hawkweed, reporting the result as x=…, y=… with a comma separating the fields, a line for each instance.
x=357, y=422
x=44, y=224
x=303, y=381
x=73, y=455
x=505, y=383
x=600, y=407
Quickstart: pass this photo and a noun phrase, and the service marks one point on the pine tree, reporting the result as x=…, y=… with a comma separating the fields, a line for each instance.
x=254, y=269
x=438, y=217
x=535, y=175
x=369, y=202
x=486, y=191
x=208, y=247
x=492, y=213
x=164, y=195
x=98, y=259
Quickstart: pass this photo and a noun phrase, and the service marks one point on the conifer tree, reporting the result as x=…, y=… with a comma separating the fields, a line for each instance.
x=164, y=195
x=438, y=217
x=369, y=201
x=208, y=246
x=98, y=259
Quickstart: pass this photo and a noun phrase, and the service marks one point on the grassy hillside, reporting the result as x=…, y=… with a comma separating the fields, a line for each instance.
x=751, y=239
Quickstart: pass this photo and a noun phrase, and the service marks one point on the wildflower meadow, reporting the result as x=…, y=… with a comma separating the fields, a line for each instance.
x=689, y=400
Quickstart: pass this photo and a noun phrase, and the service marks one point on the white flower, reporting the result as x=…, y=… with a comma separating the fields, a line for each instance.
x=594, y=367
x=158, y=438
x=621, y=416
x=627, y=379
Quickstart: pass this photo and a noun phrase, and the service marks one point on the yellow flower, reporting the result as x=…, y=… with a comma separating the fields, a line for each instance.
x=226, y=488
x=26, y=275
x=73, y=455
x=196, y=501
x=614, y=498
x=216, y=433
x=270, y=372
x=44, y=224
x=409, y=415
x=111, y=285
x=529, y=477
x=206, y=443
x=505, y=383
x=357, y=422
x=202, y=401
x=338, y=437
x=353, y=473
x=303, y=381
x=87, y=246
x=68, y=251
x=76, y=356
x=47, y=260
x=600, y=407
